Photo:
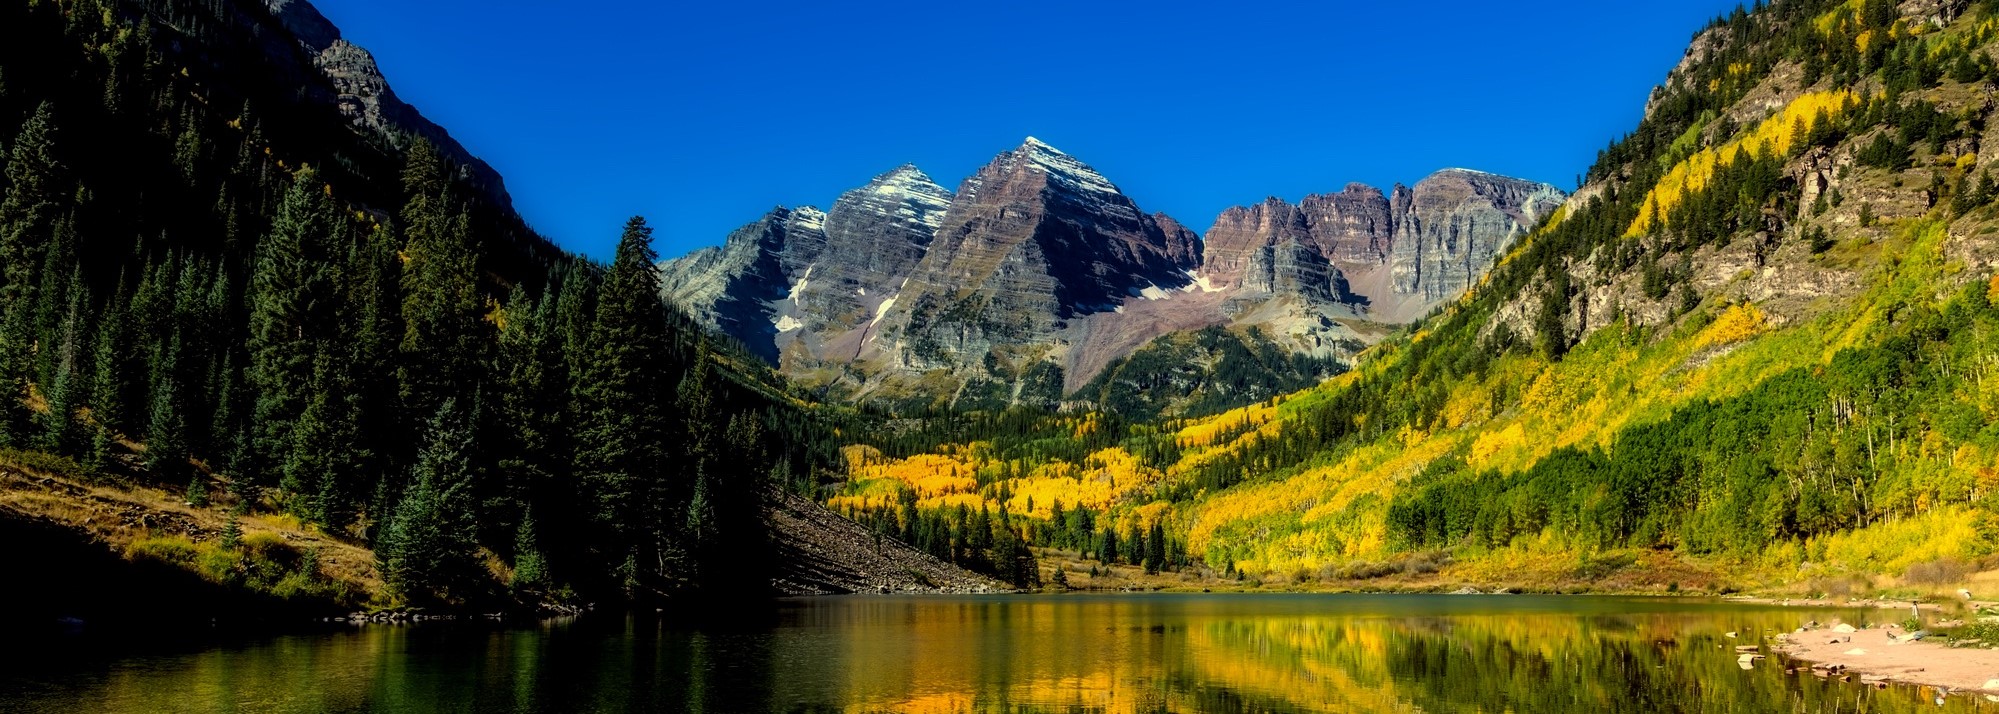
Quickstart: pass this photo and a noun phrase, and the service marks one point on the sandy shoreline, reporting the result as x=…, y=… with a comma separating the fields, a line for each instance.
x=1932, y=607
x=1879, y=655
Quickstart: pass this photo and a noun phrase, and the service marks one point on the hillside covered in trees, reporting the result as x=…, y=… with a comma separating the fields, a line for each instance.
x=343, y=369
x=1754, y=350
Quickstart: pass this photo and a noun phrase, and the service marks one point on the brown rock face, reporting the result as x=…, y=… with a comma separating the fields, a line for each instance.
x=1243, y=235
x=1183, y=245
x=1033, y=239
x=1353, y=226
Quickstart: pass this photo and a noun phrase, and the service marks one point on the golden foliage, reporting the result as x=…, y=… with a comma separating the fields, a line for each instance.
x=1739, y=322
x=1492, y=442
x=1773, y=135
x=1203, y=433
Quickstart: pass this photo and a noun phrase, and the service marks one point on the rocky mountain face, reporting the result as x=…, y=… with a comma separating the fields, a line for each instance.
x=732, y=287
x=362, y=95
x=1038, y=273
x=1392, y=257
x=1034, y=239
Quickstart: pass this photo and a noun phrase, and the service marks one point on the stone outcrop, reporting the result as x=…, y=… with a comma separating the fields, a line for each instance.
x=1430, y=242
x=1455, y=223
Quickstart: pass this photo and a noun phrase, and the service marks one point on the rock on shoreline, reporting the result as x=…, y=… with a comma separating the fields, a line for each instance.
x=1883, y=655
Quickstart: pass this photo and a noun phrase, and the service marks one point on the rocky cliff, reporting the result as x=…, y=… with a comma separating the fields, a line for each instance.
x=1391, y=257
x=1452, y=225
x=362, y=94
x=735, y=288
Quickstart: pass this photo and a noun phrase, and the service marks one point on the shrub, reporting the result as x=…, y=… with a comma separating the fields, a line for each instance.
x=1364, y=570
x=169, y=550
x=1423, y=563
x=1936, y=573
x=41, y=461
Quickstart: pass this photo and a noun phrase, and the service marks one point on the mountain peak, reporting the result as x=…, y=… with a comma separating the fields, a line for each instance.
x=908, y=178
x=1061, y=168
x=908, y=193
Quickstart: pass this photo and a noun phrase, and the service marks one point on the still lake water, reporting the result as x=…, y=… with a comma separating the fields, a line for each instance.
x=1069, y=653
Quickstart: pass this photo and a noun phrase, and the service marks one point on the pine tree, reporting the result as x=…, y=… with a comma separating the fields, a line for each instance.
x=166, y=423
x=427, y=549
x=531, y=401
x=530, y=569
x=288, y=296
x=58, y=277
x=620, y=454
x=1155, y=550
x=232, y=529
x=444, y=341
x=367, y=373
x=28, y=213
x=109, y=384
x=70, y=386
x=308, y=468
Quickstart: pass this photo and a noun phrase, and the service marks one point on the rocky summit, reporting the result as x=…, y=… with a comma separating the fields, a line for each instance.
x=1038, y=273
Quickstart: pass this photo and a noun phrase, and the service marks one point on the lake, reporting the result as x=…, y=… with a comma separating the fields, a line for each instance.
x=1055, y=653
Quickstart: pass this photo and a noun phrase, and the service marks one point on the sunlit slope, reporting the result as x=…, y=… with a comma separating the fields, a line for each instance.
x=1758, y=339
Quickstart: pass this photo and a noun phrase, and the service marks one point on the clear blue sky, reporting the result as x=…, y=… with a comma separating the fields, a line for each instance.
x=702, y=114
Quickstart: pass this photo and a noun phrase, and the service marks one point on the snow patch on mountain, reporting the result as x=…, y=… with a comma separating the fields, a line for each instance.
x=1197, y=281
x=881, y=310
x=802, y=282
x=809, y=218
x=1065, y=169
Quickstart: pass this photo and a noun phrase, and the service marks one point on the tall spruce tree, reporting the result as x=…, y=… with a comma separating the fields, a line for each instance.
x=620, y=452
x=701, y=451
x=444, y=334
x=28, y=213
x=531, y=402
x=166, y=419
x=69, y=386
x=288, y=299
x=426, y=551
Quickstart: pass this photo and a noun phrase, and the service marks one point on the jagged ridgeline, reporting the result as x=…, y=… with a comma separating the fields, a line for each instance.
x=1753, y=349
x=1039, y=283
x=235, y=270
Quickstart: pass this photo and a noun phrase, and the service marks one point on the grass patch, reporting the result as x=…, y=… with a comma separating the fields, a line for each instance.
x=264, y=564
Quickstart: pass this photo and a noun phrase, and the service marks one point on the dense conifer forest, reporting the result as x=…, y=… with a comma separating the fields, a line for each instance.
x=207, y=286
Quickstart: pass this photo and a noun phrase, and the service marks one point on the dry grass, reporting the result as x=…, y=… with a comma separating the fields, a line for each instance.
x=123, y=516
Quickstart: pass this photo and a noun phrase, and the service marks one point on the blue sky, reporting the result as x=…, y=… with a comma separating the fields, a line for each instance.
x=702, y=115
